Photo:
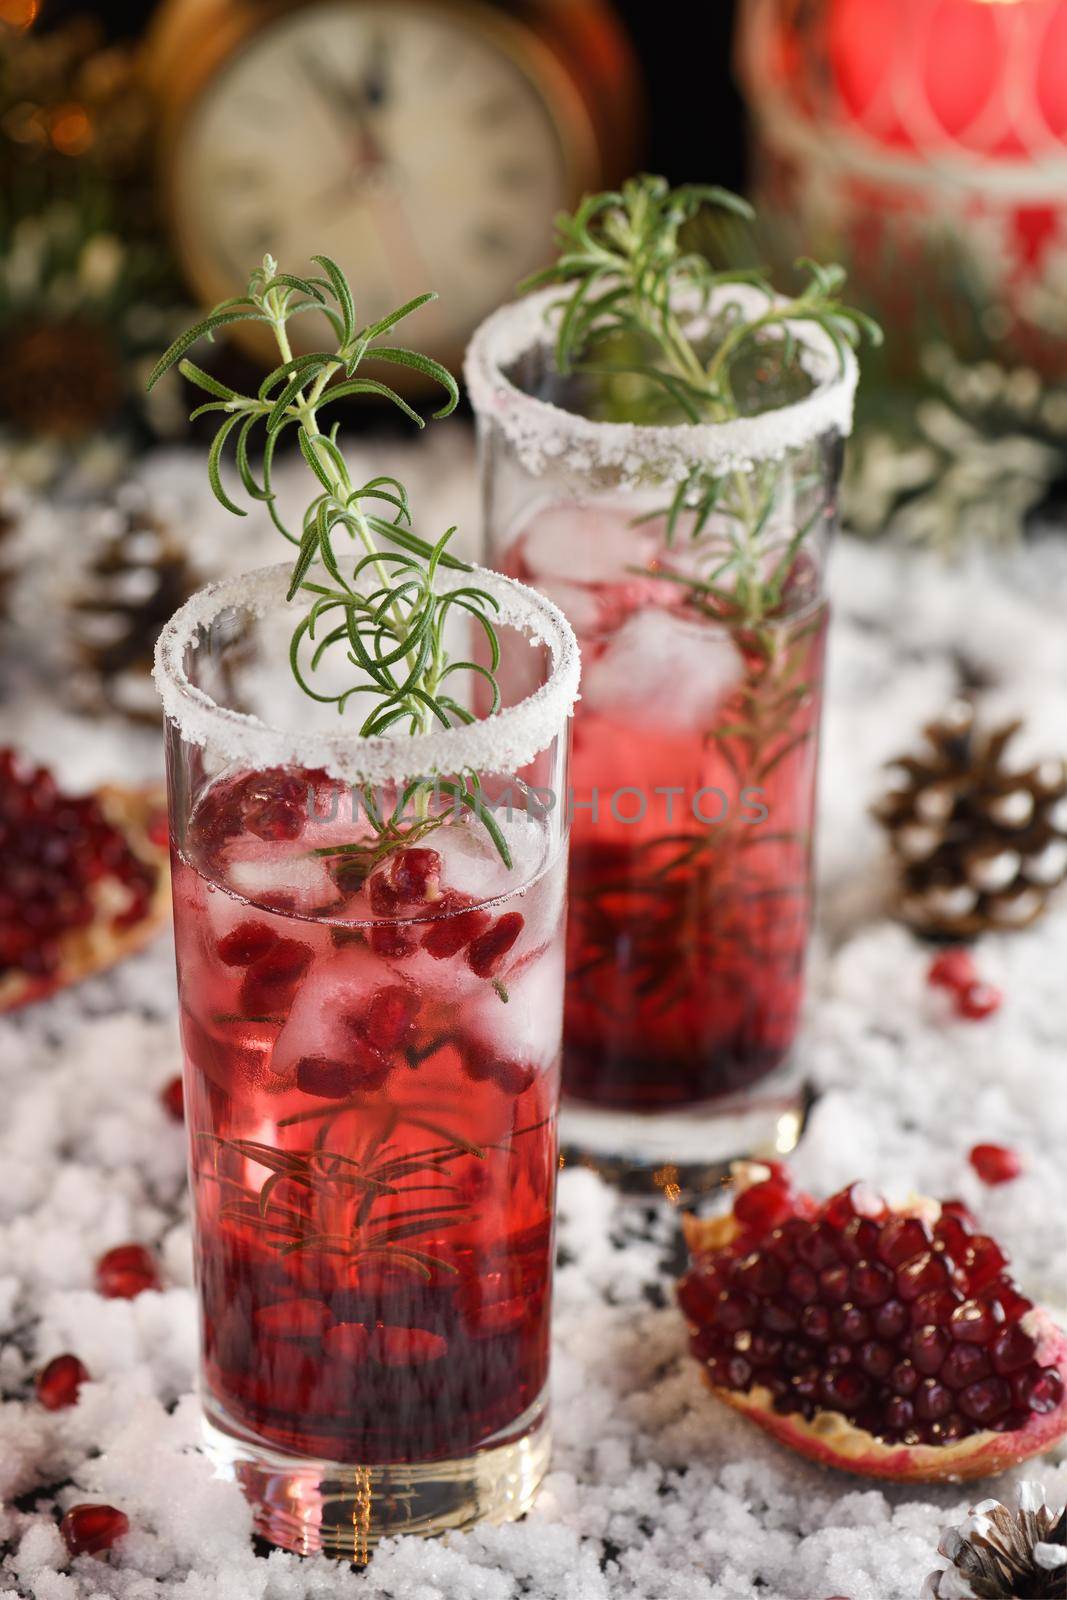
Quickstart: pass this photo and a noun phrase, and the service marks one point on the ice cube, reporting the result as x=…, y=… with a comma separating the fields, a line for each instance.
x=333, y=990
x=297, y=882
x=526, y=1027
x=663, y=670
x=585, y=544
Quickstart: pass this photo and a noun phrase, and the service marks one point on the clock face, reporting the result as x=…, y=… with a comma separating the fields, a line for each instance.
x=393, y=135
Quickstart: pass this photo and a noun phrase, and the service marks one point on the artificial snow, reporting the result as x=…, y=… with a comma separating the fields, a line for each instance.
x=655, y=1492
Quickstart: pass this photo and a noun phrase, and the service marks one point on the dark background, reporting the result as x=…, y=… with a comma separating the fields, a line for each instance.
x=695, y=129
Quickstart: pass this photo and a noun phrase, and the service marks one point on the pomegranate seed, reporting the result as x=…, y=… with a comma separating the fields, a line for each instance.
x=276, y=806
x=58, y=1383
x=816, y=1323
x=406, y=1347
x=984, y=1262
x=389, y=1017
x=347, y=1341
x=778, y=1316
x=858, y=1200
x=817, y=1248
x=698, y=1294
x=416, y=875
x=834, y=1285
x=1043, y=1389
x=891, y=1319
x=995, y=1163
x=928, y=1349
x=904, y=1379
x=920, y=1276
x=978, y=1001
x=902, y=1239
x=125, y=1272
x=394, y=941
x=384, y=899
x=456, y=928
x=172, y=1098
x=899, y=1413
x=294, y=1319
x=510, y=1077
x=964, y=1365
x=952, y=969
x=485, y=953
x=362, y=1070
x=859, y=1239
x=760, y=1275
x=935, y=1308
x=845, y=1389
x=852, y=1324
x=961, y=1213
x=245, y=944
x=270, y=983
x=932, y=1401
x=1012, y=1349
x=985, y=1401
x=764, y=1205
x=802, y=1284
x=89, y=1530
x=871, y=1283
x=735, y=1311
x=976, y=1323
x=876, y=1359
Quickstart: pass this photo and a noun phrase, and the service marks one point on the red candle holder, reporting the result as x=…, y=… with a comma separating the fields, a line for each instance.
x=922, y=133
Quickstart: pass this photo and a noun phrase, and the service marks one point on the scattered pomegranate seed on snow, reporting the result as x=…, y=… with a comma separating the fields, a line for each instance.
x=952, y=969
x=172, y=1096
x=125, y=1272
x=89, y=1530
x=57, y=1384
x=978, y=1001
x=995, y=1163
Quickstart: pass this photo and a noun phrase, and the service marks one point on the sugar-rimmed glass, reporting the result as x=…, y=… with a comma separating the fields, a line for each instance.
x=371, y=1003
x=696, y=737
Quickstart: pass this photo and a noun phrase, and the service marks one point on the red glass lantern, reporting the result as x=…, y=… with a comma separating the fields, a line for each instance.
x=897, y=129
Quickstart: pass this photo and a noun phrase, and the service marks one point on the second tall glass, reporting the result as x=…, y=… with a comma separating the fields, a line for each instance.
x=695, y=746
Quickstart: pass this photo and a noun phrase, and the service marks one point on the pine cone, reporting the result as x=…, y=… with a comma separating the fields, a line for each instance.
x=135, y=581
x=981, y=846
x=1000, y=1555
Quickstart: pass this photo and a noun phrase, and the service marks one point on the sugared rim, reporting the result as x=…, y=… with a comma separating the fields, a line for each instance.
x=546, y=436
x=502, y=743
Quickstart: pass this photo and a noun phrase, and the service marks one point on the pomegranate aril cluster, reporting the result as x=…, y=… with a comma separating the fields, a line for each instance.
x=55, y=851
x=972, y=998
x=911, y=1329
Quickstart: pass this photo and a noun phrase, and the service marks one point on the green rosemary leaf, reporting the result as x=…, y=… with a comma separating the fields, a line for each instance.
x=477, y=806
x=424, y=364
x=203, y=330
x=372, y=386
x=375, y=329
x=204, y=380
x=213, y=465
x=342, y=294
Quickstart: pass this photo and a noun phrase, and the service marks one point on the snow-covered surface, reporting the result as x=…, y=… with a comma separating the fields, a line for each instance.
x=655, y=1493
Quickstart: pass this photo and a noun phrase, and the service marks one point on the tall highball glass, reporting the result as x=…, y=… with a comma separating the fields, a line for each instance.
x=370, y=972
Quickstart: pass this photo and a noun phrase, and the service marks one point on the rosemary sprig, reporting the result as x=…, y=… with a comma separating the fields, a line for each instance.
x=632, y=286
x=384, y=612
x=624, y=261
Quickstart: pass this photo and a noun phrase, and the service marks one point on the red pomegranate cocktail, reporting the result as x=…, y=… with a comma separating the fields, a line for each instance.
x=370, y=974
x=695, y=743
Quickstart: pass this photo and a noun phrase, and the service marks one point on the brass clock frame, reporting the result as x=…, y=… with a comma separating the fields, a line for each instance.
x=192, y=41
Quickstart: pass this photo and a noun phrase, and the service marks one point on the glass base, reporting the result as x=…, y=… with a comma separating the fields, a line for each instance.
x=687, y=1150
x=342, y=1509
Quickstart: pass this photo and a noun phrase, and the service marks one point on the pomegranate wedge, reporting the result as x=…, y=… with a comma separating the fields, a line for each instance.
x=892, y=1344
